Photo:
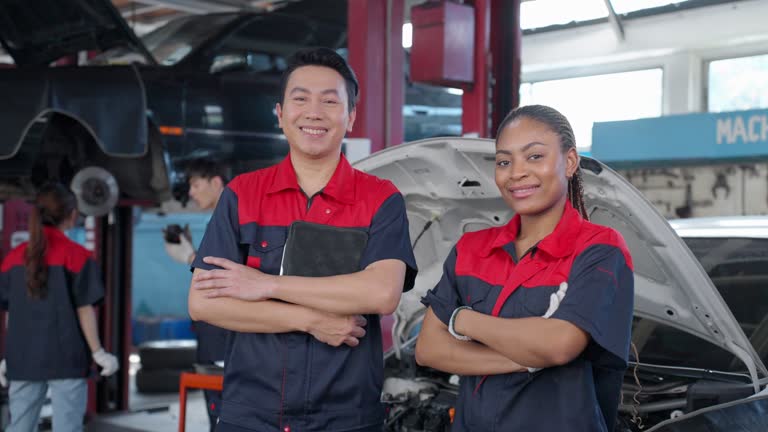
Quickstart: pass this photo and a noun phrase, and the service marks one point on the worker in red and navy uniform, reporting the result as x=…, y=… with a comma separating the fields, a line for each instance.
x=306, y=353
x=535, y=316
x=49, y=285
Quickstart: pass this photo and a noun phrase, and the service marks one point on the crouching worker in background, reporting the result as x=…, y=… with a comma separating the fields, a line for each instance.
x=48, y=286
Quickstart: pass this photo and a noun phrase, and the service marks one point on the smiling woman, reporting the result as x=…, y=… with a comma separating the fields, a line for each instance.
x=537, y=312
x=527, y=147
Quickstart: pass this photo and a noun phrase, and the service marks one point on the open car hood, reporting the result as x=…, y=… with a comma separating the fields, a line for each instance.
x=37, y=32
x=450, y=181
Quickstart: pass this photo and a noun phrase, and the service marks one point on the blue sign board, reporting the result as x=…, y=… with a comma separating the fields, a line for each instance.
x=690, y=138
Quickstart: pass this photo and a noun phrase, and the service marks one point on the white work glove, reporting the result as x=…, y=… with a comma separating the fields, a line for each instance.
x=3, y=379
x=107, y=361
x=554, y=303
x=183, y=251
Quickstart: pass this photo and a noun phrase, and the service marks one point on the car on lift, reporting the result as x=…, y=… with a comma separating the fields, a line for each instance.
x=700, y=324
x=199, y=86
x=140, y=108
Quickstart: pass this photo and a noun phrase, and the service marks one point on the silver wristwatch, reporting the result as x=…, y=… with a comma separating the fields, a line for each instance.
x=452, y=322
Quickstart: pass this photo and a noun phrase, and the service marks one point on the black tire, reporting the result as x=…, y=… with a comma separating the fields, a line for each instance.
x=158, y=381
x=168, y=354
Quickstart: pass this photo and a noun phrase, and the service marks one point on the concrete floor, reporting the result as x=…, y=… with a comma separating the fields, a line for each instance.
x=154, y=413
x=155, y=420
x=147, y=413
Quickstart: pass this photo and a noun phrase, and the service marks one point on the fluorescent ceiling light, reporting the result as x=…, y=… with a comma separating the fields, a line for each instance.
x=407, y=35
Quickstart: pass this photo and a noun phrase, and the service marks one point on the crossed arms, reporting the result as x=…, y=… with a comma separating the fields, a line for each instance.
x=498, y=345
x=240, y=298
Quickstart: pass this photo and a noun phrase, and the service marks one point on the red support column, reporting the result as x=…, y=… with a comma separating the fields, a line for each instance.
x=114, y=244
x=14, y=219
x=506, y=39
x=475, y=118
x=497, y=67
x=376, y=55
x=394, y=132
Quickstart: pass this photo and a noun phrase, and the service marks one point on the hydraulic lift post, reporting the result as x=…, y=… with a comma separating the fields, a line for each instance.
x=114, y=234
x=496, y=87
x=375, y=41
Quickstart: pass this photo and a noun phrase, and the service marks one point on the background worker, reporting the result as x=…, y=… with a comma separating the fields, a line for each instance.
x=48, y=287
x=207, y=180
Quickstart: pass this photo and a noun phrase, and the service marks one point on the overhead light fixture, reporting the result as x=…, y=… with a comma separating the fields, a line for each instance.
x=407, y=35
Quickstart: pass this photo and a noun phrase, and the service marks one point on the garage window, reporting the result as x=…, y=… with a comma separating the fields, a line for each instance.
x=608, y=97
x=738, y=83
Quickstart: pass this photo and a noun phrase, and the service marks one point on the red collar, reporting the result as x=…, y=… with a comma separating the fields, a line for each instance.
x=340, y=187
x=558, y=244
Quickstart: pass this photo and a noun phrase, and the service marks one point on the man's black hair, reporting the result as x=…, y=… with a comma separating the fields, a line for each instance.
x=325, y=57
x=206, y=169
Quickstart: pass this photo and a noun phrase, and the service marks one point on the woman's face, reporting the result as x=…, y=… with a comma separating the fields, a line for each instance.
x=532, y=170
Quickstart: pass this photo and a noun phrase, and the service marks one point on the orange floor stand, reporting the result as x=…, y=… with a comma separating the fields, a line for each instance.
x=195, y=381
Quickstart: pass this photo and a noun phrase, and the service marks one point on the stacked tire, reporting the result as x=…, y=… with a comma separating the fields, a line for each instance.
x=162, y=363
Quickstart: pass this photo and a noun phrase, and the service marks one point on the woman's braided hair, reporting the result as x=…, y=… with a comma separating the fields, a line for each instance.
x=53, y=204
x=559, y=125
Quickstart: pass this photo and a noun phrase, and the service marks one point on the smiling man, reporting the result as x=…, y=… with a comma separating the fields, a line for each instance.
x=306, y=354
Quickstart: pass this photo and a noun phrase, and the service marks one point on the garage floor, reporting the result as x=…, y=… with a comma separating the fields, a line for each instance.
x=156, y=420
x=153, y=412
x=148, y=413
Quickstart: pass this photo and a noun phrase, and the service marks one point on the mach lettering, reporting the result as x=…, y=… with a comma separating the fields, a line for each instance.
x=736, y=129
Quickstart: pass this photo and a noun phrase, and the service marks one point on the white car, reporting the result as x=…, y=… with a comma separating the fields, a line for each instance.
x=695, y=359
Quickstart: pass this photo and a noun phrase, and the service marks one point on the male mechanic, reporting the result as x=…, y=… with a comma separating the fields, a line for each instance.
x=306, y=354
x=206, y=183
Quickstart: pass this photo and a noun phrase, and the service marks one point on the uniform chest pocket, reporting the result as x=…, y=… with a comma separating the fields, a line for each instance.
x=265, y=249
x=481, y=298
x=535, y=301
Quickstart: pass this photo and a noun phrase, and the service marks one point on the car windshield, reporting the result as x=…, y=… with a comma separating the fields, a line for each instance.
x=172, y=42
x=739, y=269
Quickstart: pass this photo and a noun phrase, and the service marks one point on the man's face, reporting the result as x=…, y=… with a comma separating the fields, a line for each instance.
x=205, y=191
x=315, y=114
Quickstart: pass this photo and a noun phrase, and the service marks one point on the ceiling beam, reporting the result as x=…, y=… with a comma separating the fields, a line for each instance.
x=615, y=20
x=194, y=6
x=159, y=15
x=135, y=11
x=121, y=3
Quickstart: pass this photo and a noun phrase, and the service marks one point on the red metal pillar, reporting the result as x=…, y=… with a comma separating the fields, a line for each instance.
x=14, y=217
x=475, y=103
x=497, y=67
x=506, y=39
x=376, y=55
x=114, y=234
